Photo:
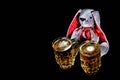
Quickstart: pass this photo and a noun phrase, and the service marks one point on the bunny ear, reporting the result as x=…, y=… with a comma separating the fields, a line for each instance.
x=74, y=23
x=96, y=16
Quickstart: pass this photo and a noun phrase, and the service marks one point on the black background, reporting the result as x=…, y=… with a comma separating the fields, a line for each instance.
x=39, y=23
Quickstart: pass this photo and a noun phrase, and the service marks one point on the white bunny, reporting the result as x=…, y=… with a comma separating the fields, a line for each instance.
x=86, y=24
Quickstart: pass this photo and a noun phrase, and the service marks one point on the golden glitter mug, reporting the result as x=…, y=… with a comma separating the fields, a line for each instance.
x=65, y=51
x=90, y=57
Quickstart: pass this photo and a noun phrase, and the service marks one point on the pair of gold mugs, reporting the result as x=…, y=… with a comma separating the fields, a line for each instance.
x=66, y=50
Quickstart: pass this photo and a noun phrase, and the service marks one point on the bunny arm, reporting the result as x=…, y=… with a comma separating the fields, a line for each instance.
x=104, y=44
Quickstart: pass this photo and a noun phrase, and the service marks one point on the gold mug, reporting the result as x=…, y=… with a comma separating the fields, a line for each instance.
x=90, y=57
x=65, y=51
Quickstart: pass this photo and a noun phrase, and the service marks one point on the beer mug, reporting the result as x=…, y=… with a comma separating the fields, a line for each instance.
x=90, y=57
x=65, y=51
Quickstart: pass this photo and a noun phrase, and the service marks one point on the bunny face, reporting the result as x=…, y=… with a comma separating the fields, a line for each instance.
x=86, y=18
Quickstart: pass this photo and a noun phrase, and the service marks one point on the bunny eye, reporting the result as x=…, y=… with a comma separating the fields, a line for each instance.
x=91, y=17
x=82, y=19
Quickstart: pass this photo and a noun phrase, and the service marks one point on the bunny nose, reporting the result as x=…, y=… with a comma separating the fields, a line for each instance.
x=82, y=19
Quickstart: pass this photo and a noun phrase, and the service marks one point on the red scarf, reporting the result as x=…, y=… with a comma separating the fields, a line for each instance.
x=86, y=30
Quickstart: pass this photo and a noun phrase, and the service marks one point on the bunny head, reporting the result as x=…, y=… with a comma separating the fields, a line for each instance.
x=85, y=18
